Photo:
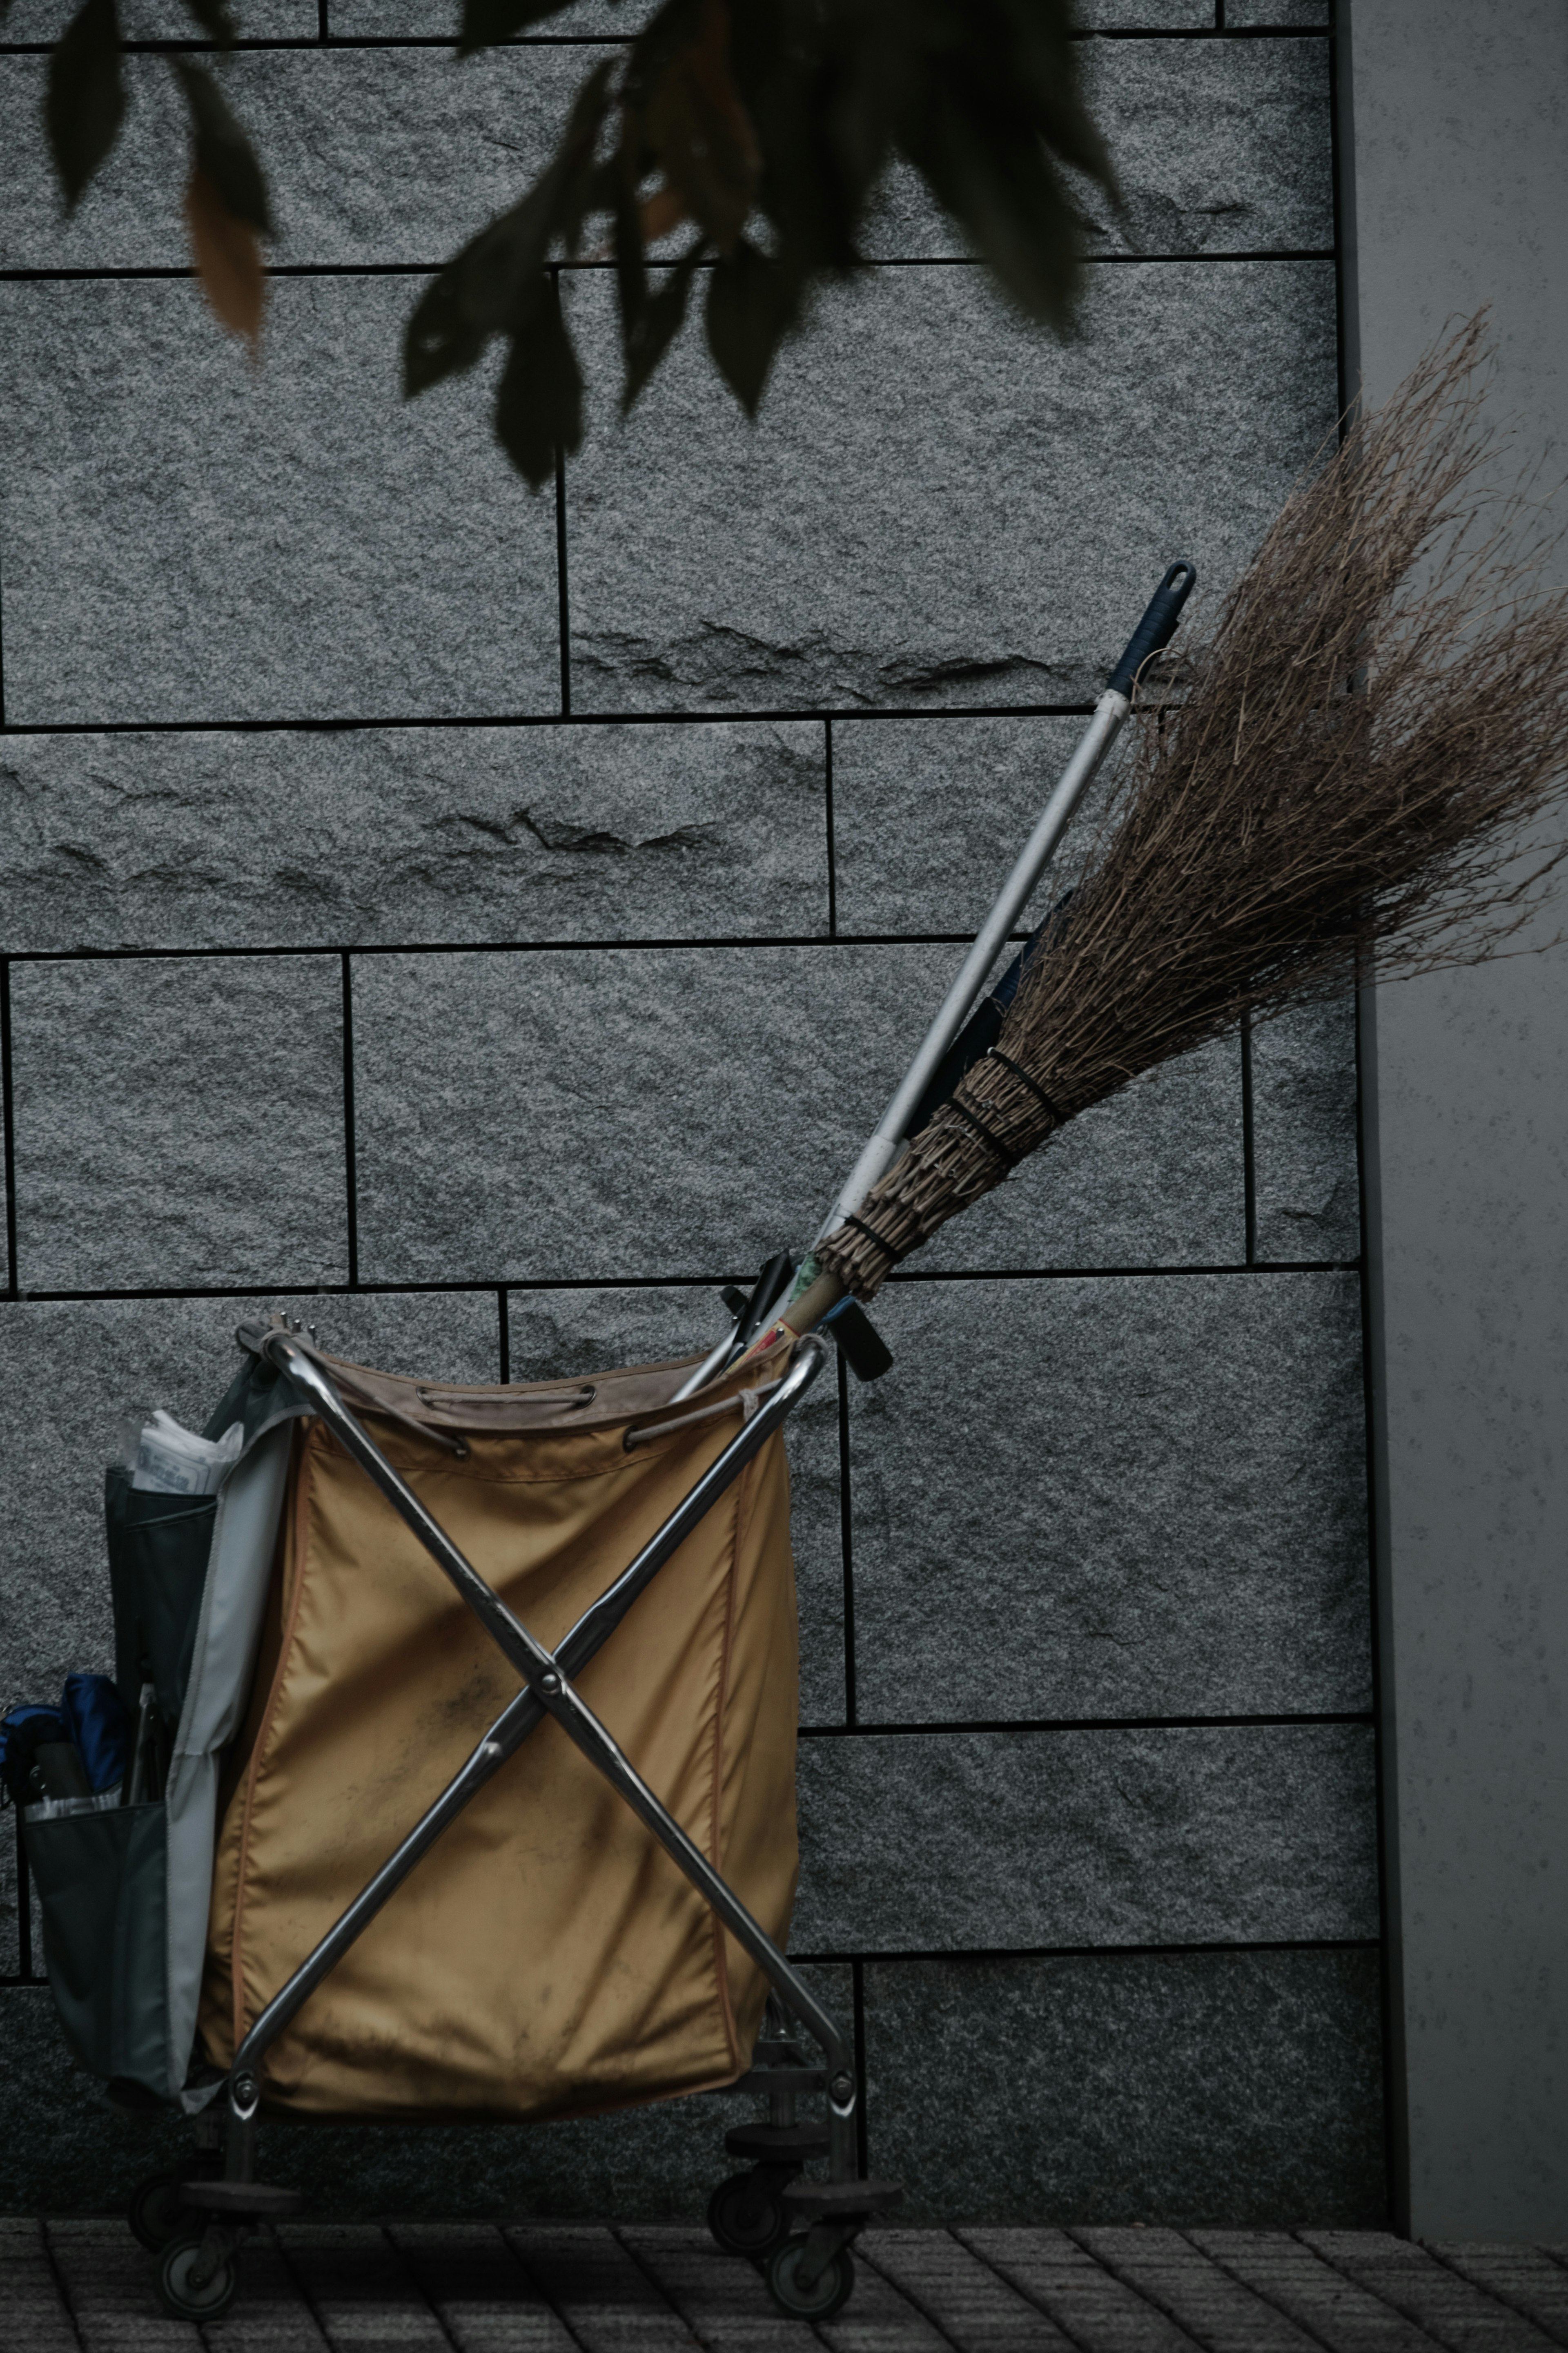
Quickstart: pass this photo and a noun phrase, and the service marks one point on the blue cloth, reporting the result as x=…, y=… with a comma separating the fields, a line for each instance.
x=99, y=1726
x=22, y=1731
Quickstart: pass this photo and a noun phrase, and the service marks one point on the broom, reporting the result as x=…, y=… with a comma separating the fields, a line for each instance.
x=1338, y=792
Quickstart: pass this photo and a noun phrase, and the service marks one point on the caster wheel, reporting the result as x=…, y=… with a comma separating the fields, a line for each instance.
x=187, y=2297
x=158, y=2213
x=828, y=2293
x=747, y=2217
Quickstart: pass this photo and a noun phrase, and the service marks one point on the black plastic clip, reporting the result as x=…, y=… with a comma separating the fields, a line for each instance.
x=862, y=1347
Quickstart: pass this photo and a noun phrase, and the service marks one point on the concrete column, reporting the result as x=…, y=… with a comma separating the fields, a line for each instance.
x=1454, y=158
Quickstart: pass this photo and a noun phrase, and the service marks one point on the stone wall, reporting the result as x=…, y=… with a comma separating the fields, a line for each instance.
x=486, y=924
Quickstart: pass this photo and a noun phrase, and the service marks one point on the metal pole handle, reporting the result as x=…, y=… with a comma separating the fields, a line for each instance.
x=1153, y=632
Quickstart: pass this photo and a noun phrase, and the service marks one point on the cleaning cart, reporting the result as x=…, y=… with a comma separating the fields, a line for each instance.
x=457, y=1760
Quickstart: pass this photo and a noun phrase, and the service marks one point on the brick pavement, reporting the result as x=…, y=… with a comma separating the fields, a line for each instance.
x=85, y=2287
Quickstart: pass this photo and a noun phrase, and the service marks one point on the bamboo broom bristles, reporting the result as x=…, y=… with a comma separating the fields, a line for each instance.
x=1341, y=787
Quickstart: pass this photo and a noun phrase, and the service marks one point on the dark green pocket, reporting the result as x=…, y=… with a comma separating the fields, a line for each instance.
x=158, y=1547
x=100, y=1882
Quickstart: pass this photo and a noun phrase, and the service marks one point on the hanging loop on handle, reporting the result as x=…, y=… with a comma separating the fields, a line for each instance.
x=1157, y=628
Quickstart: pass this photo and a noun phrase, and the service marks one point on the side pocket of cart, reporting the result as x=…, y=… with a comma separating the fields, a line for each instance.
x=100, y=1875
x=98, y=1855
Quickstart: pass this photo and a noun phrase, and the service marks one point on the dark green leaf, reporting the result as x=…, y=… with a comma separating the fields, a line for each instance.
x=85, y=104
x=700, y=132
x=215, y=20
x=473, y=298
x=539, y=402
x=490, y=285
x=752, y=305
x=658, y=325
x=1047, y=69
x=824, y=89
x=486, y=23
x=626, y=225
x=223, y=150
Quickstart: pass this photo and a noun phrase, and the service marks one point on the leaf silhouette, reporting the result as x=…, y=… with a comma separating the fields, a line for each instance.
x=84, y=104
x=700, y=131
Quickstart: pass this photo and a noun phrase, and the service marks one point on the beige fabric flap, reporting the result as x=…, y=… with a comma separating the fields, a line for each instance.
x=546, y=1958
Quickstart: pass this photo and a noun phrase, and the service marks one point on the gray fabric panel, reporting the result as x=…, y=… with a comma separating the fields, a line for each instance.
x=250, y=1507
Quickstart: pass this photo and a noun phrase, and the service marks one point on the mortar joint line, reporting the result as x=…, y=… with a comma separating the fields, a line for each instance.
x=351, y=1144
x=417, y=2284
x=864, y=2249
x=1249, y=1145
x=846, y=1547
x=1497, y=2294
x=832, y=827
x=1265, y=2296
x=62, y=2289
x=1145, y=2296
x=634, y=2256
x=1072, y=2335
x=508, y=2231
x=1364, y=2285
x=8, y=1133
x=862, y=2112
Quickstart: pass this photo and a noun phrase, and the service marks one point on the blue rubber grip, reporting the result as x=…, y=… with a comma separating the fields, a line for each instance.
x=1158, y=626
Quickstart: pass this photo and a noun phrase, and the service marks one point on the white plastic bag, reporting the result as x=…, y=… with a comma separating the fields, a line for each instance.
x=166, y=1459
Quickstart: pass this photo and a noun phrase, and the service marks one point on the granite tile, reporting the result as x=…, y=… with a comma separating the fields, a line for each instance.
x=438, y=20
x=409, y=836
x=68, y=1370
x=1163, y=2088
x=379, y=155
x=165, y=20
x=1304, y=1131
x=1144, y=16
x=676, y=1112
x=556, y=1335
x=1218, y=147
x=656, y=1112
x=896, y=533
x=1153, y=1177
x=189, y=537
x=1158, y=1510
x=1245, y=15
x=941, y=1841
x=928, y=815
x=68, y=2149
x=179, y=1123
